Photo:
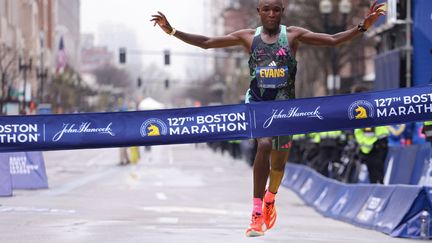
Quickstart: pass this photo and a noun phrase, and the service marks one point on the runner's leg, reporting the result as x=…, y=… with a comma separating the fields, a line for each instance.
x=261, y=166
x=278, y=161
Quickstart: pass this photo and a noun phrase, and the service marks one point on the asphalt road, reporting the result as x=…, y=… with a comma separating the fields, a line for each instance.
x=174, y=194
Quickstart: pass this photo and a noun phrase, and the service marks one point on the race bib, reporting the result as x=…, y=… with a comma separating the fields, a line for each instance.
x=272, y=77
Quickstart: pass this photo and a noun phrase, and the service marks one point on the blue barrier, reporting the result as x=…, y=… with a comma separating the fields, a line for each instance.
x=394, y=209
x=231, y=122
x=5, y=180
x=411, y=165
x=353, y=203
x=27, y=169
x=403, y=164
x=422, y=173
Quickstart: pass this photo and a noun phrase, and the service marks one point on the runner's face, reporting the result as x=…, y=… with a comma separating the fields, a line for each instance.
x=270, y=12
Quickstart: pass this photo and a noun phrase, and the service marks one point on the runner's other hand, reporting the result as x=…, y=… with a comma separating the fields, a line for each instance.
x=161, y=20
x=375, y=11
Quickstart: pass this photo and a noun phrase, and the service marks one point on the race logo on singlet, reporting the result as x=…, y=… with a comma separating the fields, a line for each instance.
x=361, y=109
x=153, y=128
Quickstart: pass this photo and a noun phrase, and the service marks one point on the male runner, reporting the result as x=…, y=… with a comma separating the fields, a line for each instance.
x=272, y=47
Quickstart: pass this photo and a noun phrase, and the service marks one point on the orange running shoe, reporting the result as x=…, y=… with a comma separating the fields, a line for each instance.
x=255, y=228
x=269, y=214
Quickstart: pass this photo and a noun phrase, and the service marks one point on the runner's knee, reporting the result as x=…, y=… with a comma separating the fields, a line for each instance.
x=265, y=145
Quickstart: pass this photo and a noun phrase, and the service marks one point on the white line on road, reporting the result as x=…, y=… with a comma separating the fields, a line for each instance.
x=161, y=196
x=79, y=182
x=218, y=169
x=195, y=210
x=36, y=210
x=168, y=220
x=158, y=183
x=170, y=156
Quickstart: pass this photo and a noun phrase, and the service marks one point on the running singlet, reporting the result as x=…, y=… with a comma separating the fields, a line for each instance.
x=272, y=69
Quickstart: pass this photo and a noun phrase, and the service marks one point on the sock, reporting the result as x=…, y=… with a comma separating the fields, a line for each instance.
x=257, y=205
x=269, y=196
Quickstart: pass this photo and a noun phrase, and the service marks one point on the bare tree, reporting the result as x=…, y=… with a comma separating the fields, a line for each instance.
x=8, y=70
x=111, y=75
x=65, y=92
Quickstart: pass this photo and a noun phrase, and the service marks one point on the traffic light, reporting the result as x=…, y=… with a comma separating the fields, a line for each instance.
x=166, y=84
x=139, y=82
x=122, y=55
x=167, y=57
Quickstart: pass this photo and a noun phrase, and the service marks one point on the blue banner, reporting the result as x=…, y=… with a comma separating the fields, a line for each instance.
x=27, y=169
x=342, y=112
x=75, y=131
x=192, y=125
x=5, y=179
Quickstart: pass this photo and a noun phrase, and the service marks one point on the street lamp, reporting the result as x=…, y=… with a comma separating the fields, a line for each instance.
x=42, y=71
x=24, y=67
x=326, y=8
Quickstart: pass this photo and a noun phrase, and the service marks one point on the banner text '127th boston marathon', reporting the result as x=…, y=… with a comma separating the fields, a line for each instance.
x=205, y=124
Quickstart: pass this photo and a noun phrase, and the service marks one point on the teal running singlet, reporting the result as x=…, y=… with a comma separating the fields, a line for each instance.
x=272, y=69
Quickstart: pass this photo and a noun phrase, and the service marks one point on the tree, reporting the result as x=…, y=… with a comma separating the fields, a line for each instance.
x=111, y=75
x=66, y=93
x=8, y=71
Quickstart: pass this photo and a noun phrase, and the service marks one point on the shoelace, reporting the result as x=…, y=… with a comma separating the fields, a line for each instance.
x=269, y=205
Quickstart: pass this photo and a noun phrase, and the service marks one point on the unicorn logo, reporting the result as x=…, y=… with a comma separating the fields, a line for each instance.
x=153, y=128
x=361, y=109
x=153, y=131
x=361, y=113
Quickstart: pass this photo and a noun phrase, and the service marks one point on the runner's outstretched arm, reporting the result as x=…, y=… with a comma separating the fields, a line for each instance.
x=320, y=39
x=234, y=39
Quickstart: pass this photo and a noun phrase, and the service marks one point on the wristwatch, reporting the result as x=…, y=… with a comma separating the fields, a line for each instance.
x=360, y=27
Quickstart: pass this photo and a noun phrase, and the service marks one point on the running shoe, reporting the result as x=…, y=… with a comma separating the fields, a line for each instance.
x=269, y=214
x=255, y=228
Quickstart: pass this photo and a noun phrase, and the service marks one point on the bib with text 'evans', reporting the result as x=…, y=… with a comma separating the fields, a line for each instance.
x=272, y=77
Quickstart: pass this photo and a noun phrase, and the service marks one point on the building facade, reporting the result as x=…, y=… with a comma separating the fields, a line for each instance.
x=29, y=33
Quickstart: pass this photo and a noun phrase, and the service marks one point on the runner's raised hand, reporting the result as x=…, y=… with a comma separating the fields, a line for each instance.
x=161, y=20
x=375, y=11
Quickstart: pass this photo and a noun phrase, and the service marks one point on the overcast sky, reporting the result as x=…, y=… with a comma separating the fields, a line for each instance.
x=187, y=15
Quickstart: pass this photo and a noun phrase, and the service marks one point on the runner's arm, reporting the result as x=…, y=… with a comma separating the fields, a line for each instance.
x=233, y=39
x=320, y=39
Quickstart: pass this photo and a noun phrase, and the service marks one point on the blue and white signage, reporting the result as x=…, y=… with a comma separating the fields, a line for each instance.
x=27, y=169
x=192, y=125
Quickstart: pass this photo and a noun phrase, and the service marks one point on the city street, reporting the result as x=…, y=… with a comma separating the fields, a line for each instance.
x=180, y=193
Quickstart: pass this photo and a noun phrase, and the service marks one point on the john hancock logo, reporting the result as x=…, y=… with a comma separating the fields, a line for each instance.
x=361, y=109
x=153, y=128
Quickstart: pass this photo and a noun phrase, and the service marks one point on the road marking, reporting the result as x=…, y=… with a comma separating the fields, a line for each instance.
x=79, y=182
x=174, y=209
x=158, y=183
x=218, y=169
x=35, y=210
x=170, y=156
x=168, y=220
x=161, y=196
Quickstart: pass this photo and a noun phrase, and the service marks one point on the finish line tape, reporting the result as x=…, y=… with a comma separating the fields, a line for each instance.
x=205, y=124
